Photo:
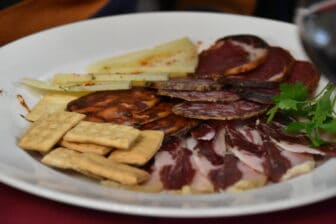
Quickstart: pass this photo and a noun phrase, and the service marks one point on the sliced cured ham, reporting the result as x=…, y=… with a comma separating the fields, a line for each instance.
x=228, y=173
x=247, y=152
x=240, y=109
x=305, y=72
x=250, y=179
x=173, y=164
x=208, y=96
x=189, y=84
x=301, y=163
x=234, y=175
x=295, y=143
x=232, y=55
x=275, y=68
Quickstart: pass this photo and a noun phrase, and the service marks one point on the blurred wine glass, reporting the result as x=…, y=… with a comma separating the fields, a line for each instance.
x=316, y=22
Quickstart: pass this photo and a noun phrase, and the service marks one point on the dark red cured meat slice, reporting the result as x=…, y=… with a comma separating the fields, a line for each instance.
x=235, y=139
x=231, y=82
x=135, y=100
x=240, y=109
x=228, y=56
x=227, y=175
x=277, y=133
x=203, y=132
x=209, y=96
x=171, y=125
x=275, y=69
x=190, y=84
x=180, y=174
x=275, y=165
x=206, y=148
x=306, y=73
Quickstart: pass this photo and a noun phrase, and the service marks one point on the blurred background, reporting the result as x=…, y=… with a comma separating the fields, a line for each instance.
x=19, y=18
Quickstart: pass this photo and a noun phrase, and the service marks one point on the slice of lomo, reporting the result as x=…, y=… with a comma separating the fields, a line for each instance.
x=232, y=55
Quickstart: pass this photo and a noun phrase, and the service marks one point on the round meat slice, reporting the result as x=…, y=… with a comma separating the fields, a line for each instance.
x=171, y=125
x=117, y=106
x=277, y=65
x=232, y=55
x=208, y=96
x=134, y=100
x=305, y=72
x=240, y=109
x=190, y=84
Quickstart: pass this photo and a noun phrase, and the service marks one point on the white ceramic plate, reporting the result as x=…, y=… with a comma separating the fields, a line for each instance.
x=71, y=48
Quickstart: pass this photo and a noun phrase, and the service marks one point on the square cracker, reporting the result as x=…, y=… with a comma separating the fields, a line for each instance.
x=50, y=103
x=44, y=133
x=86, y=147
x=142, y=150
x=118, y=136
x=96, y=165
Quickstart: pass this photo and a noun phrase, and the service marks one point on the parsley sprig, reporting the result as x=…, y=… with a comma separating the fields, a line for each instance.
x=313, y=115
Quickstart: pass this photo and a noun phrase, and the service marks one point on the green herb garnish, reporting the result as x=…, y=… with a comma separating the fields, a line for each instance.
x=314, y=114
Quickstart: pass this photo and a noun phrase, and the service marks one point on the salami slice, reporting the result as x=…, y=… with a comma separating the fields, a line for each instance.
x=275, y=68
x=171, y=125
x=240, y=109
x=189, y=84
x=209, y=96
x=232, y=55
x=305, y=72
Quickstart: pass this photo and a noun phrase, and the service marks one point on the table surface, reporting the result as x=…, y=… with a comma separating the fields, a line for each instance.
x=19, y=207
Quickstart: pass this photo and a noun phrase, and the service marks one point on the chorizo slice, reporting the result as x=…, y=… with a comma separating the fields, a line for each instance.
x=134, y=100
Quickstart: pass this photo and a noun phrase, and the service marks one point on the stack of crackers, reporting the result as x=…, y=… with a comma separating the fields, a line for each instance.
x=106, y=151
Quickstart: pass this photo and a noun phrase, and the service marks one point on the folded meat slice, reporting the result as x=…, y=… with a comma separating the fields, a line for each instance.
x=240, y=109
x=275, y=68
x=301, y=163
x=208, y=96
x=294, y=143
x=207, y=141
x=202, y=167
x=232, y=55
x=282, y=165
x=249, y=153
x=234, y=175
x=172, y=166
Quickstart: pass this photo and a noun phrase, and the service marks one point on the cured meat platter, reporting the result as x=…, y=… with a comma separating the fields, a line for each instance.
x=250, y=83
